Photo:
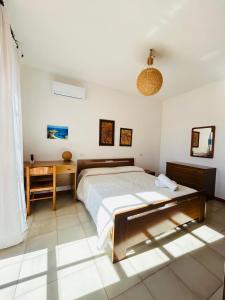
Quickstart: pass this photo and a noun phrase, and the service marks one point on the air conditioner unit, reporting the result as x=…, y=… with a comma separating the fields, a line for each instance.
x=68, y=90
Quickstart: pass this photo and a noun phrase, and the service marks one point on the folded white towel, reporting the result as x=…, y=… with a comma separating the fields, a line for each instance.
x=163, y=181
x=159, y=183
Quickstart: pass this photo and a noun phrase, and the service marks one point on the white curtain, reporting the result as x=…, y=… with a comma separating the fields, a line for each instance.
x=12, y=201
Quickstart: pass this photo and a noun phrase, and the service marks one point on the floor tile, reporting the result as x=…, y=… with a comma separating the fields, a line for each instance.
x=38, y=263
x=65, y=200
x=44, y=215
x=207, y=234
x=215, y=226
x=217, y=217
x=93, y=245
x=211, y=260
x=219, y=246
x=117, y=277
x=80, y=206
x=83, y=282
x=84, y=217
x=25, y=286
x=66, y=210
x=65, y=221
x=7, y=293
x=70, y=234
x=218, y=295
x=214, y=205
x=149, y=261
x=89, y=228
x=137, y=292
x=181, y=245
x=12, y=252
x=9, y=273
x=165, y=285
x=195, y=276
x=44, y=241
x=37, y=289
x=40, y=227
x=73, y=253
x=49, y=292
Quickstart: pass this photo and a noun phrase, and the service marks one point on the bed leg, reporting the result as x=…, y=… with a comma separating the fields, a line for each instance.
x=202, y=208
x=119, y=239
x=118, y=254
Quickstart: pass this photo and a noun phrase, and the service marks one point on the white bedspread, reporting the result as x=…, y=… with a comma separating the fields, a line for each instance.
x=105, y=194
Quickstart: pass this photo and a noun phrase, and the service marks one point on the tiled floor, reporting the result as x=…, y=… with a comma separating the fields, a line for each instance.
x=59, y=260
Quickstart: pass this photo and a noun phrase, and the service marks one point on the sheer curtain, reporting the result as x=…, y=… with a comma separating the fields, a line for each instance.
x=12, y=201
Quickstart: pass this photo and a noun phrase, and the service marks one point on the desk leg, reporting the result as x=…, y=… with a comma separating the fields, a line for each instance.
x=73, y=185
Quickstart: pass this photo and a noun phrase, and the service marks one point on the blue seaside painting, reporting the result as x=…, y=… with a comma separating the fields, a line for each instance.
x=57, y=132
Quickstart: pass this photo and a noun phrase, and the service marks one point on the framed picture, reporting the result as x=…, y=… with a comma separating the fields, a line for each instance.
x=195, y=139
x=57, y=132
x=126, y=137
x=106, y=132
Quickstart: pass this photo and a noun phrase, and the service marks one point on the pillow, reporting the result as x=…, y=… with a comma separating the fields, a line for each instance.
x=96, y=171
x=112, y=170
x=126, y=169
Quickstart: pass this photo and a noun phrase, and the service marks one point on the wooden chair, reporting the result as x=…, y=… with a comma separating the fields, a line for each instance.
x=40, y=184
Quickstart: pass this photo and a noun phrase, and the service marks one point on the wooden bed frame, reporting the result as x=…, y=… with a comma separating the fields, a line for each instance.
x=136, y=225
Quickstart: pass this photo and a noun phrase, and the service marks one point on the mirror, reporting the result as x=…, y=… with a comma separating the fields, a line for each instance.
x=202, y=141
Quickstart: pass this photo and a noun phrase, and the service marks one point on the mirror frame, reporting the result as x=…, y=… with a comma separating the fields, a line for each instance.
x=213, y=129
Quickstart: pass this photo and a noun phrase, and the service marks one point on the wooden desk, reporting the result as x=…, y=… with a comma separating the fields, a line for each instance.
x=62, y=168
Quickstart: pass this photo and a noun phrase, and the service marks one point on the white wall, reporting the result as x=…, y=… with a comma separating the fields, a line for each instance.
x=200, y=107
x=40, y=108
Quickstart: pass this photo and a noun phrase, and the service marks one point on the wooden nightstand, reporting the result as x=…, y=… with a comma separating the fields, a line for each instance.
x=150, y=172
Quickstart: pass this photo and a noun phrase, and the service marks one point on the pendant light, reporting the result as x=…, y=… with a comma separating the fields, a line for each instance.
x=150, y=80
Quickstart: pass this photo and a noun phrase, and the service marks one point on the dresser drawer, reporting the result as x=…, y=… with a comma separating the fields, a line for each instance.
x=184, y=169
x=66, y=169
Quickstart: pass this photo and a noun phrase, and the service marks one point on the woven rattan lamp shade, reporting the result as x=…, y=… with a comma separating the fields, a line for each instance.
x=149, y=81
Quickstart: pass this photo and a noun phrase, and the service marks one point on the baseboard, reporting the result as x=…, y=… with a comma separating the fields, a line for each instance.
x=220, y=199
x=63, y=188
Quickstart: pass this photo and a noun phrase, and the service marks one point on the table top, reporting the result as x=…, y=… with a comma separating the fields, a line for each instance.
x=49, y=163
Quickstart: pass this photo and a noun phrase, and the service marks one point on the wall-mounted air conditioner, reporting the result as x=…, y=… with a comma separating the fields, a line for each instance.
x=68, y=90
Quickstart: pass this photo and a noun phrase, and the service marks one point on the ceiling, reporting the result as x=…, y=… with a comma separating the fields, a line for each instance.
x=107, y=41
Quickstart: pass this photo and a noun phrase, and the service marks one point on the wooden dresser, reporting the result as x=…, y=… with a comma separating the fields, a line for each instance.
x=198, y=177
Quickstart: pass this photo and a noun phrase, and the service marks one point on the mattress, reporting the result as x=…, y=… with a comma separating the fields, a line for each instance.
x=106, y=191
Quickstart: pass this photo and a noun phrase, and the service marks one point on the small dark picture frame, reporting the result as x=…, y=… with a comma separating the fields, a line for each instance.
x=126, y=137
x=106, y=132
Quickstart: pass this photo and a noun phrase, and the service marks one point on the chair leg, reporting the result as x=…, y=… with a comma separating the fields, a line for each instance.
x=28, y=204
x=54, y=200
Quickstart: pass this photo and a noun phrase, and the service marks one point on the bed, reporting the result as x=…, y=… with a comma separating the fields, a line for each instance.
x=121, y=198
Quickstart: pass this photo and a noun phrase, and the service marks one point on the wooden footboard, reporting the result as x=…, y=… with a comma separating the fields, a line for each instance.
x=134, y=226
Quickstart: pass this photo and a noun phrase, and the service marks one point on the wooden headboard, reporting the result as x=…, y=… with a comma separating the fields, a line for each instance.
x=103, y=163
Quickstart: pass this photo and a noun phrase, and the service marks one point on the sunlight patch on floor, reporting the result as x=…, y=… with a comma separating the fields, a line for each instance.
x=80, y=281
x=148, y=260
x=30, y=287
x=35, y=262
x=183, y=245
x=72, y=253
x=207, y=234
x=107, y=270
